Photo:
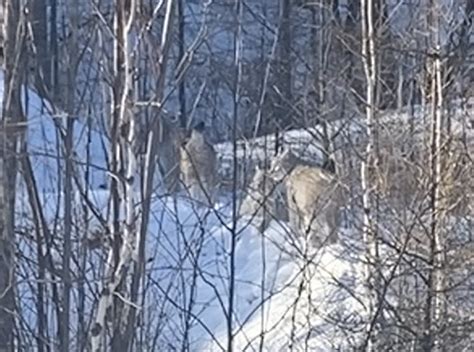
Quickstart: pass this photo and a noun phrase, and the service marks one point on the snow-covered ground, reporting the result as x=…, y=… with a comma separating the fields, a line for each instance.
x=399, y=131
x=286, y=295
x=45, y=144
x=280, y=297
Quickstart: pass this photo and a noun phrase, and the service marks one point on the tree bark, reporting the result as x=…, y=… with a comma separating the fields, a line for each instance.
x=72, y=52
x=434, y=306
x=367, y=169
x=125, y=177
x=40, y=40
x=11, y=113
x=181, y=47
x=283, y=111
x=148, y=175
x=53, y=50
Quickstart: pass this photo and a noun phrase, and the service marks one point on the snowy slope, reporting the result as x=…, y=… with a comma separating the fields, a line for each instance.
x=45, y=144
x=306, y=143
x=269, y=274
x=281, y=298
x=304, y=301
x=190, y=261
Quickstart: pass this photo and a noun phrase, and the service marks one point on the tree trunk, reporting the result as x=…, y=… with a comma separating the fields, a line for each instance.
x=233, y=240
x=282, y=117
x=40, y=40
x=367, y=169
x=434, y=306
x=53, y=50
x=73, y=17
x=148, y=176
x=181, y=48
x=44, y=260
x=11, y=114
x=125, y=178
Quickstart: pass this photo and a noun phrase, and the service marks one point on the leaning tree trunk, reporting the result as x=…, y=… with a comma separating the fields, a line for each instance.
x=11, y=119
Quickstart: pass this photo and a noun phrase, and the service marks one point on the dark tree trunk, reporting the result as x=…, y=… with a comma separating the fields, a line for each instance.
x=181, y=47
x=53, y=50
x=40, y=40
x=283, y=118
x=11, y=115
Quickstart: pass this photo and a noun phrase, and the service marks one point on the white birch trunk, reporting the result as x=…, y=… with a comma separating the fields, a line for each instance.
x=438, y=277
x=435, y=300
x=367, y=165
x=126, y=122
x=437, y=211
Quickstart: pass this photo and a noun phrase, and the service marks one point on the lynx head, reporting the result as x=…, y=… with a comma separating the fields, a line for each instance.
x=200, y=127
x=283, y=163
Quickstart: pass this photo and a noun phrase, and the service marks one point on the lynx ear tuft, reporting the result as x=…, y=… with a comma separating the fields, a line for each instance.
x=200, y=126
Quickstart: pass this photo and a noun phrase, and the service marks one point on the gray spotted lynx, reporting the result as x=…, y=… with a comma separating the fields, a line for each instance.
x=312, y=198
x=198, y=167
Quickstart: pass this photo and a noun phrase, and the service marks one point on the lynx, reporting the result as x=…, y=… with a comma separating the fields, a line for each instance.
x=312, y=197
x=168, y=152
x=198, y=167
x=265, y=199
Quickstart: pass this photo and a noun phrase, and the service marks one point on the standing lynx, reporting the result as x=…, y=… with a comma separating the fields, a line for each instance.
x=265, y=199
x=198, y=167
x=312, y=199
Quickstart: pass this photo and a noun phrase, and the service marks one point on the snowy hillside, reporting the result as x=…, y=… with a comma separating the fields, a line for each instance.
x=403, y=129
x=279, y=296
x=45, y=144
x=286, y=296
x=336, y=211
x=276, y=288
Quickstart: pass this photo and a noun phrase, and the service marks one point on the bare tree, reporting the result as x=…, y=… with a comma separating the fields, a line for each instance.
x=124, y=169
x=149, y=171
x=12, y=115
x=283, y=89
x=181, y=46
x=435, y=301
x=237, y=70
x=367, y=165
x=40, y=39
x=110, y=257
x=72, y=59
x=128, y=249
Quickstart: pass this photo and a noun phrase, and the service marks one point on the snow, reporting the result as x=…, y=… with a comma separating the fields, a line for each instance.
x=189, y=245
x=285, y=293
x=269, y=271
x=45, y=144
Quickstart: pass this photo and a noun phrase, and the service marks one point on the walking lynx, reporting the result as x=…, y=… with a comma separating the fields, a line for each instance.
x=312, y=197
